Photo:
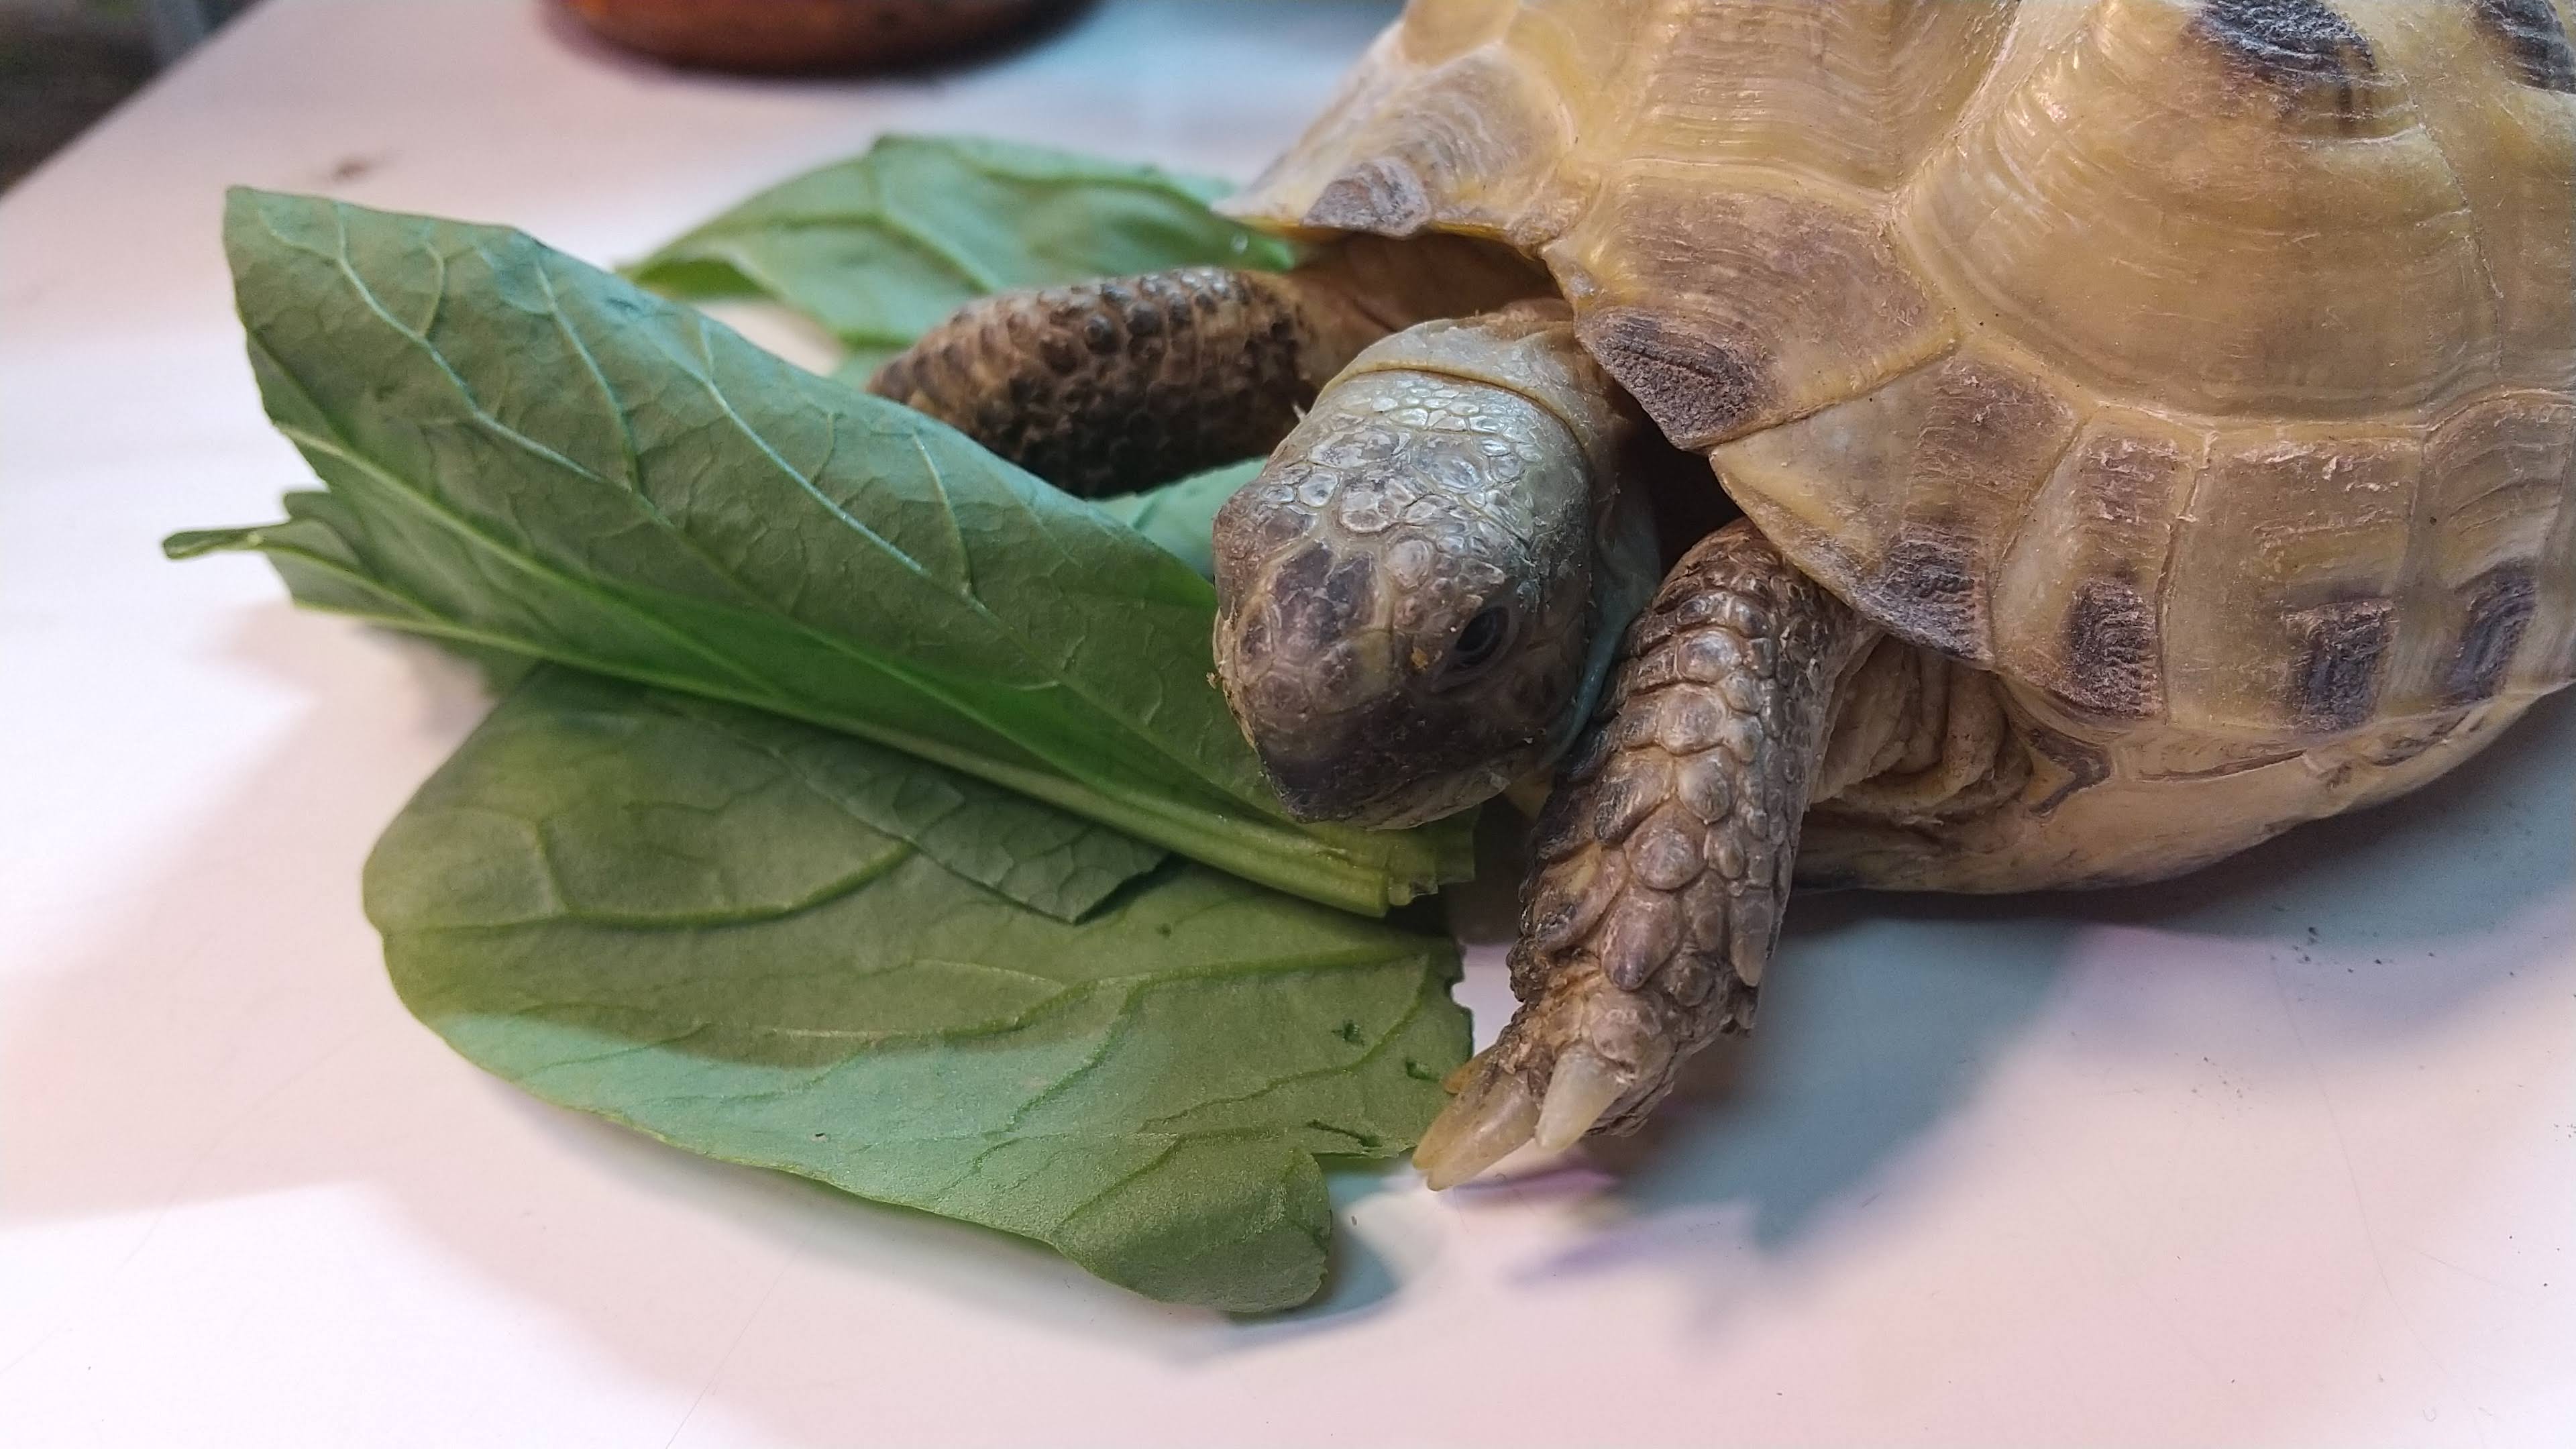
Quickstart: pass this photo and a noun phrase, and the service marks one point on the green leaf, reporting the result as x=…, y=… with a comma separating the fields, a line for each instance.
x=666, y=783
x=881, y=247
x=527, y=454
x=1180, y=517
x=660, y=911
x=311, y=553
x=854, y=370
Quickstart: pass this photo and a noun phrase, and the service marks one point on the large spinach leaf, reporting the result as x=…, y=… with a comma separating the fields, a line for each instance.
x=528, y=454
x=882, y=246
x=663, y=801
x=664, y=911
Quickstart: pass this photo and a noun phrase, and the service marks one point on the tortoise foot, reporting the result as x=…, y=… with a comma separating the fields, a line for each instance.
x=1663, y=856
x=1562, y=1065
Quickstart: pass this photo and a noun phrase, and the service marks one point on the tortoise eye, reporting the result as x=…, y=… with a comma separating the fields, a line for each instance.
x=1480, y=643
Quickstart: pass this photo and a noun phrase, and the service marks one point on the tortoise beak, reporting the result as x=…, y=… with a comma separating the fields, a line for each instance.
x=1358, y=774
x=1390, y=764
x=1320, y=788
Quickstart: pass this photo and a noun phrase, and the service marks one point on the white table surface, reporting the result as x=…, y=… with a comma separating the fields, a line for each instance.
x=2285, y=1154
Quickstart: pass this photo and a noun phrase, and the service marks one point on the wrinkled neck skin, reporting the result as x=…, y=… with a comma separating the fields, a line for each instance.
x=1422, y=590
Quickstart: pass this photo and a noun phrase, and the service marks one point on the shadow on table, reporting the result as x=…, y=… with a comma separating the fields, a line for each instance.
x=1885, y=1018
x=1886, y=1013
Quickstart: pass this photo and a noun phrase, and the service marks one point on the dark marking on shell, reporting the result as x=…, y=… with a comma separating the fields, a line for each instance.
x=1932, y=589
x=2531, y=39
x=2501, y=603
x=2303, y=51
x=2225, y=768
x=2112, y=667
x=1698, y=390
x=1384, y=197
x=2406, y=747
x=2342, y=648
x=2288, y=42
x=2085, y=765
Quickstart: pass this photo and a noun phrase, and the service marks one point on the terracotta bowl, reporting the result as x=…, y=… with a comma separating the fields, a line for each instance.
x=804, y=35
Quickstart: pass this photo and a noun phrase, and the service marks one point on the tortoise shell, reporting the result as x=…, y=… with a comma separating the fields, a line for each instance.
x=2211, y=364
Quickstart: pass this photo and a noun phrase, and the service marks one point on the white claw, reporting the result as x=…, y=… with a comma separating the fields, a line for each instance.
x=1481, y=1126
x=1581, y=1089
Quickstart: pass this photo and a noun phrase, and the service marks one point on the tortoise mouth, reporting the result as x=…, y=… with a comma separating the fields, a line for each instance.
x=1390, y=764
x=1417, y=802
x=1318, y=797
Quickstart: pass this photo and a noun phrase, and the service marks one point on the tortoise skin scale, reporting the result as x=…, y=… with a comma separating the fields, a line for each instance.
x=1663, y=856
x=1022, y=372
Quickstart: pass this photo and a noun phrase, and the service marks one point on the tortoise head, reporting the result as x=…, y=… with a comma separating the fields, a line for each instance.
x=1408, y=619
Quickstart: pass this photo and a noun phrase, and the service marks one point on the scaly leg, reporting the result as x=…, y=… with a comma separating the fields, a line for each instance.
x=1114, y=385
x=1664, y=856
x=1110, y=386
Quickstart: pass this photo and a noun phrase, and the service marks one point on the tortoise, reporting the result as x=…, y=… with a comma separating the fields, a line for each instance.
x=2139, y=426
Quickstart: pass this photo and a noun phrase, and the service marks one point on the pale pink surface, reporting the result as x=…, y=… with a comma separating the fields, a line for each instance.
x=2285, y=1154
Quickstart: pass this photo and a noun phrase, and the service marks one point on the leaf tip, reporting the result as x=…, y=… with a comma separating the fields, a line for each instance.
x=244, y=205
x=198, y=542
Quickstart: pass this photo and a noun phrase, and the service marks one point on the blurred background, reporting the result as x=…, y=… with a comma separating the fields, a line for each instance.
x=65, y=63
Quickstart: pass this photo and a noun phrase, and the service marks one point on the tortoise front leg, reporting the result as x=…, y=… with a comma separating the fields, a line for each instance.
x=1663, y=856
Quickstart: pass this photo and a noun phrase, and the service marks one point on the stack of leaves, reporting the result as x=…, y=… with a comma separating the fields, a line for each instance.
x=870, y=814
x=883, y=246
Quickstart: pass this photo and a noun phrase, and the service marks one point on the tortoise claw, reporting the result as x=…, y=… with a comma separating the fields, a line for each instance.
x=1490, y=1118
x=1581, y=1089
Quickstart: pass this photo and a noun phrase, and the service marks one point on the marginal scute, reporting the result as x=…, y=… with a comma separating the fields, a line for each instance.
x=1902, y=499
x=2496, y=566
x=1693, y=385
x=2279, y=613
x=2080, y=591
x=1772, y=298
x=1383, y=196
x=1466, y=143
